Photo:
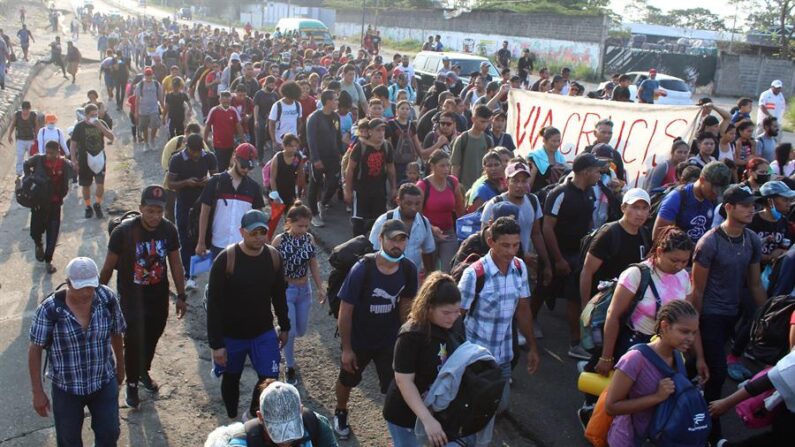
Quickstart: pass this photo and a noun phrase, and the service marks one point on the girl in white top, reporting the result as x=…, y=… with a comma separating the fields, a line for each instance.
x=726, y=145
x=784, y=164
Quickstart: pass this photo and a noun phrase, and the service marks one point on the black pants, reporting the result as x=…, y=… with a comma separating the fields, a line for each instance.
x=58, y=62
x=46, y=220
x=224, y=156
x=146, y=316
x=323, y=183
x=230, y=392
x=715, y=330
x=120, y=91
x=176, y=127
x=782, y=433
x=366, y=209
x=261, y=138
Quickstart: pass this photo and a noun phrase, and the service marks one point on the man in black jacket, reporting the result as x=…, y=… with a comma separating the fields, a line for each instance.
x=246, y=279
x=324, y=139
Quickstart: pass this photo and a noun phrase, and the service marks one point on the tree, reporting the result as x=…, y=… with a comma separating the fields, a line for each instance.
x=699, y=18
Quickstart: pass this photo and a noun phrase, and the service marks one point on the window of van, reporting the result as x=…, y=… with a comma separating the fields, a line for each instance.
x=433, y=64
x=419, y=61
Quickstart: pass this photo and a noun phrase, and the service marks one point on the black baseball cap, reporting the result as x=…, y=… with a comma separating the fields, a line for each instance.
x=154, y=195
x=587, y=160
x=393, y=228
x=738, y=193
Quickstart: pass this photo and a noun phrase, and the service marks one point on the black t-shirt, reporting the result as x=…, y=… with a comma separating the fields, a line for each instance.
x=617, y=160
x=184, y=168
x=573, y=209
x=88, y=139
x=621, y=94
x=143, y=257
x=239, y=305
x=425, y=124
x=771, y=233
x=631, y=249
x=176, y=105
x=265, y=100
x=422, y=355
x=370, y=177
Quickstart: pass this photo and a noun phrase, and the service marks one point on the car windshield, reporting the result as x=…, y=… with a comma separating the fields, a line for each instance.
x=470, y=65
x=316, y=34
x=674, y=85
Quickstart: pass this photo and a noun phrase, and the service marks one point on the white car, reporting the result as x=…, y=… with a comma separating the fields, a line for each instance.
x=677, y=92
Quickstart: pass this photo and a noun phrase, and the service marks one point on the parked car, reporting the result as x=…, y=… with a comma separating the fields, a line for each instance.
x=677, y=92
x=428, y=63
x=306, y=28
x=185, y=13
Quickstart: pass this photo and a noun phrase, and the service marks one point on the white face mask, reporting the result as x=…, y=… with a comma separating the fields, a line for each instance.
x=93, y=120
x=51, y=126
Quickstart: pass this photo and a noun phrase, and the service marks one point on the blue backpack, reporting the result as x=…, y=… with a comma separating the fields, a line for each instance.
x=683, y=419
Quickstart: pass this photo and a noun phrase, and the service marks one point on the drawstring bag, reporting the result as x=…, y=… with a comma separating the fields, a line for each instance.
x=96, y=162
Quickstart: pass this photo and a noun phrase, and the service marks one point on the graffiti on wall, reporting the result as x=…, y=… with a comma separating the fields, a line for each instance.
x=550, y=50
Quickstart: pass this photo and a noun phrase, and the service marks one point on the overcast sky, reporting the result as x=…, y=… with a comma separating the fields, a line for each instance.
x=715, y=5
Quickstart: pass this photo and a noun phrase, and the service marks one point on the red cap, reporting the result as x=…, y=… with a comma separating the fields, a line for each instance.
x=246, y=153
x=148, y=71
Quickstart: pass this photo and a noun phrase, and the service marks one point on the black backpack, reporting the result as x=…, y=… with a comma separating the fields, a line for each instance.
x=615, y=241
x=657, y=198
x=342, y=259
x=35, y=189
x=479, y=395
x=770, y=330
x=116, y=221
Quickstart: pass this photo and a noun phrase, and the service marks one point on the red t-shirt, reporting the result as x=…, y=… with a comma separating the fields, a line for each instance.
x=223, y=123
x=244, y=107
x=308, y=105
x=55, y=170
x=212, y=91
x=670, y=176
x=440, y=205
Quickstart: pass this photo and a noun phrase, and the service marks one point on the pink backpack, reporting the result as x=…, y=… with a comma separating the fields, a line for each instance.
x=752, y=411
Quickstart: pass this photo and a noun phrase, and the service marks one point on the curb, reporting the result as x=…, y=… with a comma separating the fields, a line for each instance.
x=15, y=103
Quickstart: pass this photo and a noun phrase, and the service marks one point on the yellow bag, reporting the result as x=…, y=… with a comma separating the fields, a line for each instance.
x=593, y=383
x=599, y=424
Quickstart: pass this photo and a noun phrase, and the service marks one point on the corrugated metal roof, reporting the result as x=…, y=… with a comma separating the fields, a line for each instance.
x=674, y=32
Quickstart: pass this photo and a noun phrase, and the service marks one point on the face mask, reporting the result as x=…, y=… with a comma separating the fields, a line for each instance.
x=51, y=126
x=774, y=212
x=389, y=258
x=762, y=178
x=93, y=120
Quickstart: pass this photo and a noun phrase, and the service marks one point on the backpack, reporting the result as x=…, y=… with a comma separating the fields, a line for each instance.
x=469, y=224
x=116, y=221
x=594, y=315
x=254, y=431
x=35, y=189
x=479, y=394
x=341, y=260
x=476, y=262
x=465, y=140
x=683, y=419
x=279, y=111
x=615, y=242
x=657, y=198
x=405, y=150
x=194, y=214
x=366, y=150
x=769, y=341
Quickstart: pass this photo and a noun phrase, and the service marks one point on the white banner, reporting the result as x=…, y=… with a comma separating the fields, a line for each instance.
x=642, y=133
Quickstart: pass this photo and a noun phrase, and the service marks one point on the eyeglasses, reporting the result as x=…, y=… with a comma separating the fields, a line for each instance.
x=446, y=123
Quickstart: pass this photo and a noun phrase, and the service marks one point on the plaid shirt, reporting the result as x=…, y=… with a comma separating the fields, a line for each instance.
x=81, y=361
x=490, y=323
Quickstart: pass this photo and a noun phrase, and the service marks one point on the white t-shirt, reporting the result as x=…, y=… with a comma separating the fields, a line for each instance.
x=288, y=123
x=775, y=104
x=789, y=168
x=408, y=70
x=529, y=212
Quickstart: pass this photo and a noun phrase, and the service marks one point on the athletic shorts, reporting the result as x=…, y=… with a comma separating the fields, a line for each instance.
x=149, y=121
x=383, y=366
x=262, y=350
x=86, y=176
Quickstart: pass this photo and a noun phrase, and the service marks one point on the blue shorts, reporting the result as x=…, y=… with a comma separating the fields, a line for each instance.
x=262, y=350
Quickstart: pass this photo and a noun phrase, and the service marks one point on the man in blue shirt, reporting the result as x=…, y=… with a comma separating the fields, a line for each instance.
x=693, y=213
x=25, y=36
x=648, y=87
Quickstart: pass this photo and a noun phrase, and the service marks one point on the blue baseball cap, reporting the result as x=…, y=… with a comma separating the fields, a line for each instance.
x=776, y=188
x=505, y=209
x=254, y=219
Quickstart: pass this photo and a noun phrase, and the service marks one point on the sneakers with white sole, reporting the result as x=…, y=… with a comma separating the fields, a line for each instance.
x=578, y=352
x=190, y=285
x=341, y=427
x=317, y=221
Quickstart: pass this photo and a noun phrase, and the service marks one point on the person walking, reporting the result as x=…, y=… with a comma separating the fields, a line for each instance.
x=51, y=132
x=82, y=369
x=56, y=58
x=442, y=203
x=149, y=102
x=88, y=158
x=73, y=57
x=224, y=122
x=24, y=127
x=324, y=139
x=25, y=37
x=141, y=249
x=246, y=288
x=369, y=317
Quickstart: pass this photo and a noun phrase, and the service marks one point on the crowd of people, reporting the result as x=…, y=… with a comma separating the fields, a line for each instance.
x=465, y=240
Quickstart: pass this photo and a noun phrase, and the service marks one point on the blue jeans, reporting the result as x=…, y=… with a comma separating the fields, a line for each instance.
x=505, y=402
x=187, y=247
x=67, y=410
x=299, y=301
x=404, y=437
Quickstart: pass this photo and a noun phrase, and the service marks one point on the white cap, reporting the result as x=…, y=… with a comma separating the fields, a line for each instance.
x=777, y=84
x=234, y=57
x=280, y=405
x=82, y=272
x=635, y=194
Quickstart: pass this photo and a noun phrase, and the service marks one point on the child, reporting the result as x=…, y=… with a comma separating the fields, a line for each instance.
x=287, y=171
x=132, y=100
x=638, y=386
x=412, y=173
x=743, y=111
x=346, y=117
x=297, y=248
x=375, y=109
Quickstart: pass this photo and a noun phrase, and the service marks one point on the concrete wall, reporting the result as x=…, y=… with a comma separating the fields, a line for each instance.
x=748, y=75
x=555, y=38
x=268, y=14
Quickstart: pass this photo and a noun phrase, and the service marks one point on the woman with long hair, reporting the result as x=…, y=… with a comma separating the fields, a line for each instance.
x=757, y=173
x=664, y=173
x=784, y=164
x=421, y=349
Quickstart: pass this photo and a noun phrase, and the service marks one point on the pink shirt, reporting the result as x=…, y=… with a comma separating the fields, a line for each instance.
x=646, y=377
x=671, y=287
x=440, y=205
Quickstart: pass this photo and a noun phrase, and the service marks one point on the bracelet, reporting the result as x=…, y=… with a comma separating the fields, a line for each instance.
x=606, y=359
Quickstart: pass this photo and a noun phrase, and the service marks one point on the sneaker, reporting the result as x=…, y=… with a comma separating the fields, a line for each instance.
x=131, y=397
x=738, y=372
x=317, y=221
x=190, y=285
x=581, y=366
x=98, y=211
x=537, y=332
x=578, y=352
x=149, y=384
x=39, y=252
x=348, y=209
x=291, y=377
x=521, y=341
x=321, y=211
x=584, y=415
x=89, y=212
x=341, y=427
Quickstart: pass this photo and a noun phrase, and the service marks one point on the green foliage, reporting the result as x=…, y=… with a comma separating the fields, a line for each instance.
x=789, y=116
x=412, y=46
x=698, y=18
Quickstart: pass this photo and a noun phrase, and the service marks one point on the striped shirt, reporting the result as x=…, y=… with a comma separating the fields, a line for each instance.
x=81, y=361
x=489, y=325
